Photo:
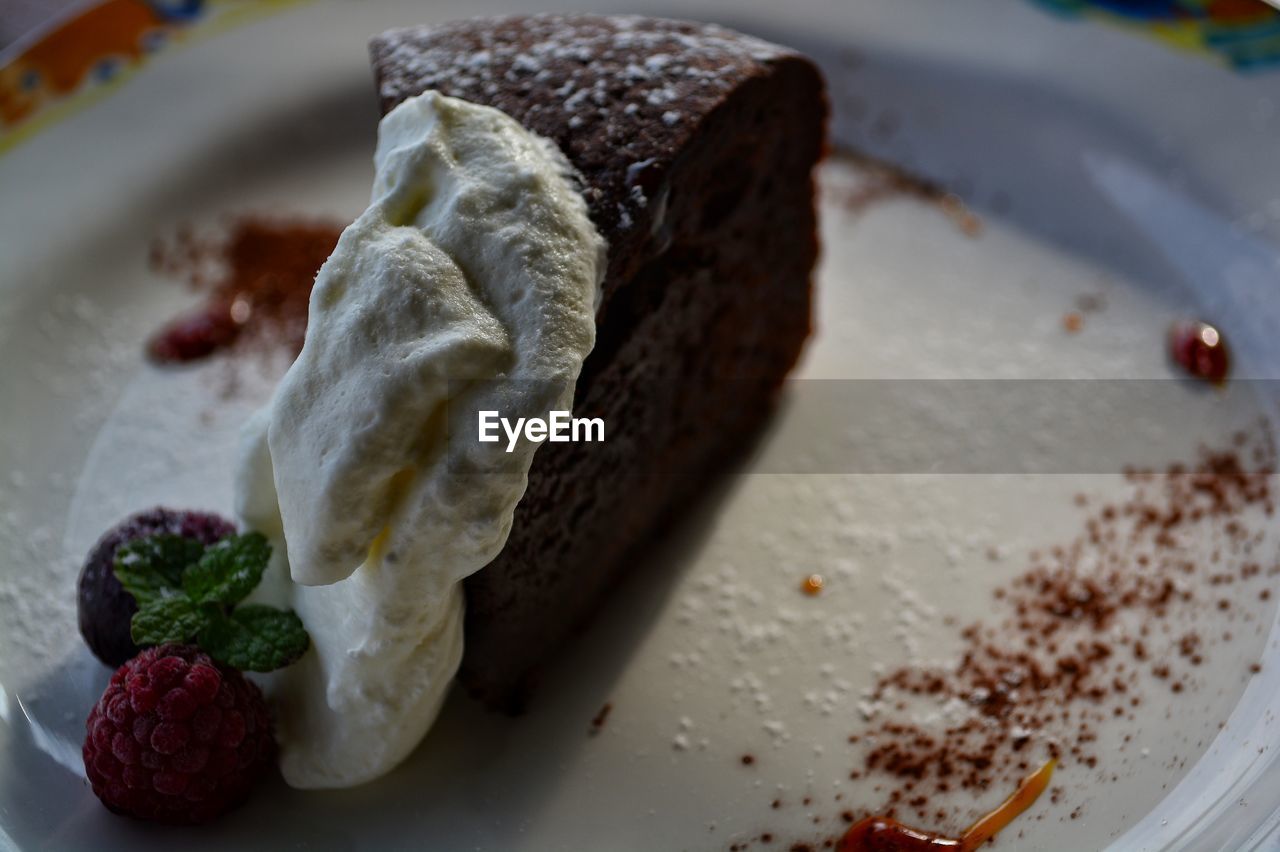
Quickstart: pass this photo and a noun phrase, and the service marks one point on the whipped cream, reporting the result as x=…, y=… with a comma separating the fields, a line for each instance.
x=469, y=283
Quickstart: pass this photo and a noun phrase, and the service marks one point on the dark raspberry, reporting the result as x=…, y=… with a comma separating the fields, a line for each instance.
x=195, y=336
x=187, y=757
x=106, y=609
x=1198, y=348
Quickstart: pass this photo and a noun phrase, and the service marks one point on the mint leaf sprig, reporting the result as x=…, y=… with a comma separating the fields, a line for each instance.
x=188, y=592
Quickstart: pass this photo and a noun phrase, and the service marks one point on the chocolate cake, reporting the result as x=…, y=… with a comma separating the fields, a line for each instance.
x=696, y=147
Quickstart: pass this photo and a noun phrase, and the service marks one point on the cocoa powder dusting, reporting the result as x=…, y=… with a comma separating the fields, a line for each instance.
x=1075, y=641
x=883, y=181
x=256, y=277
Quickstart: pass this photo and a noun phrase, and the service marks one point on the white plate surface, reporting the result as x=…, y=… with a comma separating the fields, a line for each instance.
x=1099, y=163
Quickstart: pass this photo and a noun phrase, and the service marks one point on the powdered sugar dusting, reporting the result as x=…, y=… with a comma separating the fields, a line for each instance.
x=650, y=57
x=627, y=89
x=89, y=349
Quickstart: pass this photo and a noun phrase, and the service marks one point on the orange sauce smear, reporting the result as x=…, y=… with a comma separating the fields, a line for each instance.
x=882, y=834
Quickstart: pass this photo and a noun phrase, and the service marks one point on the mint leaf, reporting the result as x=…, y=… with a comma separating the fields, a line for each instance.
x=186, y=591
x=174, y=619
x=151, y=568
x=228, y=571
x=255, y=638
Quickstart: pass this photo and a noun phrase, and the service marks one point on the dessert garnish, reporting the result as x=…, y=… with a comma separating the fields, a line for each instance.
x=177, y=737
x=469, y=284
x=1199, y=349
x=884, y=834
x=105, y=608
x=189, y=592
x=257, y=281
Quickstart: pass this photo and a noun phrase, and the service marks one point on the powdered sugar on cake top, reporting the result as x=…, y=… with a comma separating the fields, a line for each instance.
x=606, y=51
x=613, y=92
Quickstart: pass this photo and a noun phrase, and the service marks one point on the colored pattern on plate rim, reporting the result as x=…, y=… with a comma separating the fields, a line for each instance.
x=88, y=53
x=95, y=48
x=1245, y=34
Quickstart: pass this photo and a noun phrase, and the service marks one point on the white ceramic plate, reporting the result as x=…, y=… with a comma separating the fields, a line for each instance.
x=1100, y=163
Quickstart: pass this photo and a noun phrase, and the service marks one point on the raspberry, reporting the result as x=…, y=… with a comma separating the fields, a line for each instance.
x=176, y=737
x=105, y=608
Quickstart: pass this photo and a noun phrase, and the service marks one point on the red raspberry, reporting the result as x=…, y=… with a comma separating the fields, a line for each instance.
x=176, y=737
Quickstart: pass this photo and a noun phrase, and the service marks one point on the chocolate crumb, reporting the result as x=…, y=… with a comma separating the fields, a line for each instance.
x=598, y=720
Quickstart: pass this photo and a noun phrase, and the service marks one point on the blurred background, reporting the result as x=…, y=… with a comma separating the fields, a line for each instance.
x=18, y=17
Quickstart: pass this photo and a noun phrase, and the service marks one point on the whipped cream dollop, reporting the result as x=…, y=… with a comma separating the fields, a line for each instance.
x=469, y=284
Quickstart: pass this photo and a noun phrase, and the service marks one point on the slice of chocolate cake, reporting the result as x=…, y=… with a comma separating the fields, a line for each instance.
x=696, y=147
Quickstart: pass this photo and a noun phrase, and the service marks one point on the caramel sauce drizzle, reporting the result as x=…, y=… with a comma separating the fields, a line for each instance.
x=882, y=834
